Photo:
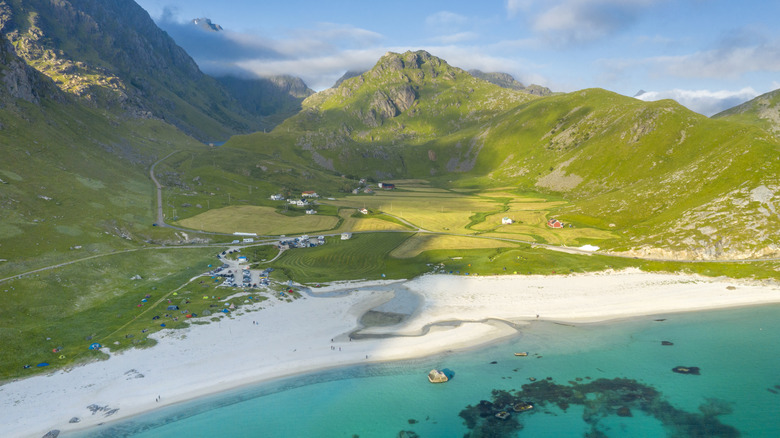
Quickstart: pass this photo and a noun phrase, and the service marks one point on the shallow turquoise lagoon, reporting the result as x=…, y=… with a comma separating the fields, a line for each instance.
x=737, y=392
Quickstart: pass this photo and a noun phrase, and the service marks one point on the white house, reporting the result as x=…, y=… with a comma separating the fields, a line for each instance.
x=507, y=221
x=310, y=194
x=363, y=210
x=311, y=211
x=277, y=198
x=346, y=236
x=301, y=203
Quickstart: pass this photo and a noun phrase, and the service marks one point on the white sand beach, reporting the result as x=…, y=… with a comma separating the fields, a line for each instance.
x=312, y=333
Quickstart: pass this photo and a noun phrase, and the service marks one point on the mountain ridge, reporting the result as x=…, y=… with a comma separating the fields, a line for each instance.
x=763, y=110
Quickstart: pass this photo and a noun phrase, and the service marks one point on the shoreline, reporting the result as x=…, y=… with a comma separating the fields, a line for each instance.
x=311, y=334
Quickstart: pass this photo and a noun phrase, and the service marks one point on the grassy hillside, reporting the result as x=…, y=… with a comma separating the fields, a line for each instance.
x=661, y=175
x=763, y=111
x=74, y=183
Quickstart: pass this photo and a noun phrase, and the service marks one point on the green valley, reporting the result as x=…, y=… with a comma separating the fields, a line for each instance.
x=478, y=172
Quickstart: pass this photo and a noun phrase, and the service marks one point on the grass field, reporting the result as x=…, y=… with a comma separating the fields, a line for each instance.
x=419, y=243
x=368, y=256
x=260, y=220
x=437, y=212
x=352, y=222
x=364, y=256
x=459, y=213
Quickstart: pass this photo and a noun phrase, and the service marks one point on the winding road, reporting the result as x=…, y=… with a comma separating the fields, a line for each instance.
x=160, y=217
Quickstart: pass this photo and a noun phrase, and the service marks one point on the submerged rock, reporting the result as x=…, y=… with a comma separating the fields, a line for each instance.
x=686, y=370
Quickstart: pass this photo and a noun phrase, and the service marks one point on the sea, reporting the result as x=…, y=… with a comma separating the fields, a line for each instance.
x=614, y=379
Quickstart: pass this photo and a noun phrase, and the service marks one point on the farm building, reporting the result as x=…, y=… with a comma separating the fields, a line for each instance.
x=311, y=211
x=363, y=210
x=386, y=186
x=554, y=223
x=310, y=194
x=277, y=198
x=507, y=221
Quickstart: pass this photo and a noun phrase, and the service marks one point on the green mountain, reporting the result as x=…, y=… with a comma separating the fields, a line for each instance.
x=671, y=182
x=73, y=179
x=763, y=111
x=112, y=56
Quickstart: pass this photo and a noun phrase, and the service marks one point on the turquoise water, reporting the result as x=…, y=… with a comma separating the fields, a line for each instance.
x=738, y=352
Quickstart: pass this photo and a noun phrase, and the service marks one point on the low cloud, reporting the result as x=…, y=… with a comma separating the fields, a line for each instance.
x=445, y=19
x=455, y=38
x=319, y=72
x=324, y=51
x=729, y=62
x=703, y=101
x=566, y=22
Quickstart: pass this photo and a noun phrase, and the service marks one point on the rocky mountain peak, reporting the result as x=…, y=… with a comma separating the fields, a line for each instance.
x=206, y=24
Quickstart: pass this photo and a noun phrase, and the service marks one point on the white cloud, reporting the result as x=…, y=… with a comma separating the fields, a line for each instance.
x=564, y=22
x=455, y=38
x=445, y=18
x=703, y=101
x=514, y=7
x=319, y=72
x=730, y=62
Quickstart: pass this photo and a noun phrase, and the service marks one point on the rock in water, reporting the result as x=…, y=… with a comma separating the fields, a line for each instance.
x=686, y=370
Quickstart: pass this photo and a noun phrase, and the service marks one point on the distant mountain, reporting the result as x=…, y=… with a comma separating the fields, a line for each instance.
x=112, y=55
x=763, y=111
x=349, y=74
x=274, y=98
x=506, y=80
x=206, y=24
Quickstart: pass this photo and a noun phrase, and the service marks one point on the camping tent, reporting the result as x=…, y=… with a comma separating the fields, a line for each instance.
x=94, y=346
x=173, y=307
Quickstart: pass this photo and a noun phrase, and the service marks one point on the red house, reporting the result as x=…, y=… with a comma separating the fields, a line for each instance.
x=554, y=223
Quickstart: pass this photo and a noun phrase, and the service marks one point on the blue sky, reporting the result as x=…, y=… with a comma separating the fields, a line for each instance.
x=706, y=54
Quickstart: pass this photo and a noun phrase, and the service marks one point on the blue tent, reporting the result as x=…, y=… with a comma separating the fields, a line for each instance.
x=94, y=346
x=173, y=307
x=43, y=364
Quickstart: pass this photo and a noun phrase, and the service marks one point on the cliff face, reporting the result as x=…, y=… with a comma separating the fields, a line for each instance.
x=112, y=55
x=20, y=81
